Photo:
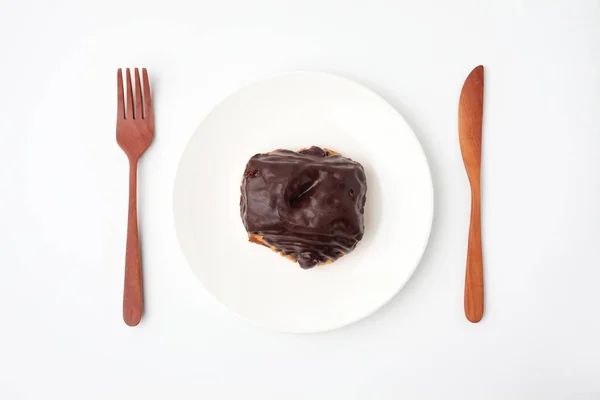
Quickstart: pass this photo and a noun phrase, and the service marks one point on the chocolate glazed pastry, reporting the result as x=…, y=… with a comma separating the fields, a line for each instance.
x=306, y=205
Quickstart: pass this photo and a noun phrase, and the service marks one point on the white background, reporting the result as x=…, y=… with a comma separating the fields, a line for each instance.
x=64, y=198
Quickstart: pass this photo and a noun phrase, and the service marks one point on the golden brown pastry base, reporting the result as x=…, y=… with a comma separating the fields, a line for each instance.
x=259, y=240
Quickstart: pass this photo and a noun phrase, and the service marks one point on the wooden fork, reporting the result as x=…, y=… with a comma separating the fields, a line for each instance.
x=135, y=131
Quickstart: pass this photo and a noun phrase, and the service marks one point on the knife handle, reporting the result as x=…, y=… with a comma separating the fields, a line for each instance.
x=474, y=270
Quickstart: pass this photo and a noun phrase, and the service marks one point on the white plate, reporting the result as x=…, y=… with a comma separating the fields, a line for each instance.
x=293, y=111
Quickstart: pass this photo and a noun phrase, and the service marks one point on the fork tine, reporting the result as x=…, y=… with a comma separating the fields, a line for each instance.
x=147, y=96
x=130, y=114
x=138, y=96
x=120, y=101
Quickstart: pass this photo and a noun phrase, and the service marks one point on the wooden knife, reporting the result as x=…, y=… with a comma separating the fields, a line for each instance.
x=470, y=113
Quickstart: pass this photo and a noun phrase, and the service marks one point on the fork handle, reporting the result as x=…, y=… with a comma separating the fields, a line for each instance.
x=474, y=270
x=132, y=291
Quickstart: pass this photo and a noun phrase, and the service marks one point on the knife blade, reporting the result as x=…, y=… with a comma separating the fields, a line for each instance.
x=470, y=116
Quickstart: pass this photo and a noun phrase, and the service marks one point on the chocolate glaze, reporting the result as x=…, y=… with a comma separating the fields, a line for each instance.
x=307, y=204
